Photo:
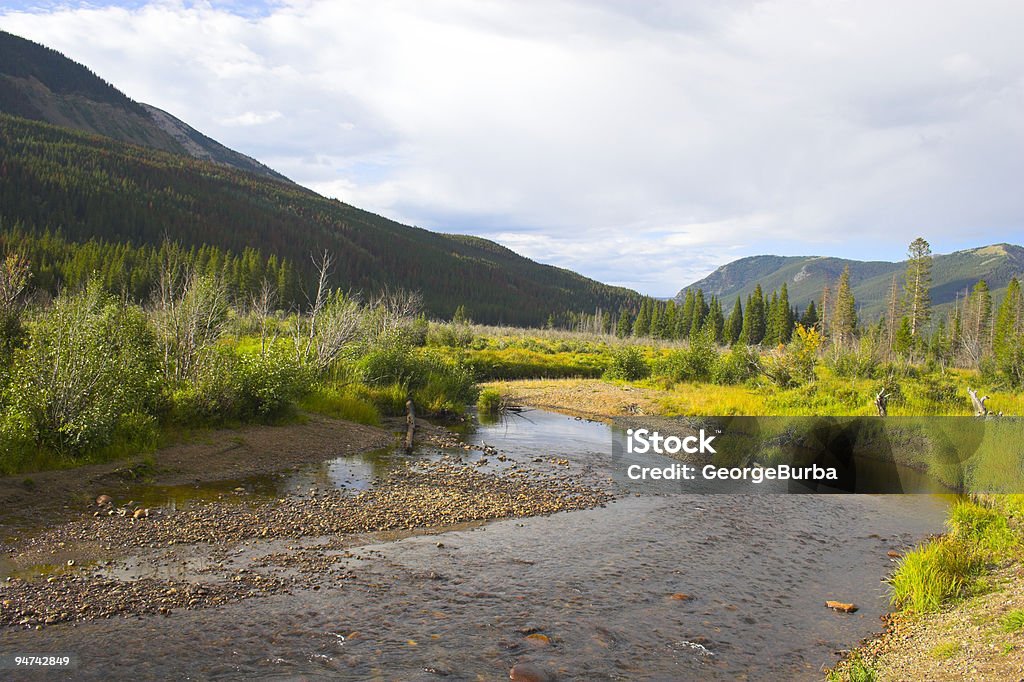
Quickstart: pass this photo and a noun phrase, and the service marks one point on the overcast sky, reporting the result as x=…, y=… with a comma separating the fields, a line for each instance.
x=641, y=144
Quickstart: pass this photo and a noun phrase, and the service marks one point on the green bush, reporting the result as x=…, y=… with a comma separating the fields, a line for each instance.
x=241, y=387
x=697, y=362
x=737, y=366
x=489, y=402
x=628, y=363
x=88, y=362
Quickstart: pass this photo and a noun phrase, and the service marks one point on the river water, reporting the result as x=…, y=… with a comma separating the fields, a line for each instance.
x=597, y=583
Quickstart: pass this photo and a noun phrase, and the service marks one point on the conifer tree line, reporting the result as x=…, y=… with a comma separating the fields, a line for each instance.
x=133, y=272
x=977, y=333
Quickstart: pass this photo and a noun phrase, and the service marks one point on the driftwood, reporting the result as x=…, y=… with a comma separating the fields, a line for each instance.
x=410, y=425
x=979, y=403
x=882, y=403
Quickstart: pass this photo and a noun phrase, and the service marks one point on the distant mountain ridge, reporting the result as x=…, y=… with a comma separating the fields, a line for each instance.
x=806, y=276
x=41, y=84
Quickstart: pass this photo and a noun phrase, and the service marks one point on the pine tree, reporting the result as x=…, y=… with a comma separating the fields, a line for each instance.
x=754, y=322
x=916, y=290
x=624, y=325
x=787, y=316
x=809, y=320
x=771, y=331
x=686, y=318
x=1008, y=335
x=845, y=322
x=700, y=311
x=642, y=325
x=734, y=325
x=976, y=332
x=714, y=323
x=890, y=318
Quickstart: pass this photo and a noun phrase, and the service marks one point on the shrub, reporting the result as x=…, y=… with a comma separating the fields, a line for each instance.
x=241, y=386
x=697, y=362
x=489, y=402
x=794, y=365
x=627, y=362
x=740, y=364
x=452, y=334
x=89, y=361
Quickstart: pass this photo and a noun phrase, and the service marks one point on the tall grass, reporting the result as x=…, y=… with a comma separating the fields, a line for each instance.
x=947, y=568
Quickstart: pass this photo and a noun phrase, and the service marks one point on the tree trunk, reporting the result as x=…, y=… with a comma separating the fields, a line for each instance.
x=410, y=425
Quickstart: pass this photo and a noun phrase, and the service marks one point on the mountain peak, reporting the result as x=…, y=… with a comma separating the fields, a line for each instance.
x=41, y=84
x=806, y=276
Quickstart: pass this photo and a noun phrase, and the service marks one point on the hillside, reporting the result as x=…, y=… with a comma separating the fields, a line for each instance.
x=806, y=276
x=91, y=187
x=43, y=85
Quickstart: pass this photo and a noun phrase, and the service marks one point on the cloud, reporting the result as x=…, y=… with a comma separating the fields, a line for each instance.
x=642, y=144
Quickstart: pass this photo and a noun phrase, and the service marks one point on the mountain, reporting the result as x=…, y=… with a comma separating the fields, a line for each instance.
x=84, y=169
x=43, y=85
x=90, y=187
x=805, y=276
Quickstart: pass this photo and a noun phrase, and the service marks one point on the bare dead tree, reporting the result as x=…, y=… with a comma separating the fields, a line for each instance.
x=978, y=403
x=262, y=306
x=333, y=322
x=190, y=312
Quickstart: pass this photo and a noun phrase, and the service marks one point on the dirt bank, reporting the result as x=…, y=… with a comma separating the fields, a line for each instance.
x=592, y=398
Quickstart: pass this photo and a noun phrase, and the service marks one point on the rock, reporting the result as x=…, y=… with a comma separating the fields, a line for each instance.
x=893, y=554
x=104, y=501
x=527, y=672
x=680, y=596
x=140, y=514
x=842, y=607
x=538, y=639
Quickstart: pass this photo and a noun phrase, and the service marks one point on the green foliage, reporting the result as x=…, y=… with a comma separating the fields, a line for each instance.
x=88, y=363
x=452, y=334
x=1014, y=621
x=932, y=574
x=489, y=402
x=697, y=362
x=948, y=567
x=945, y=650
x=627, y=363
x=235, y=386
x=738, y=365
x=794, y=364
x=339, y=403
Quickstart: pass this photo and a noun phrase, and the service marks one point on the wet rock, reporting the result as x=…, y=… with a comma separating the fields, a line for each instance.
x=680, y=596
x=528, y=672
x=538, y=639
x=104, y=501
x=842, y=607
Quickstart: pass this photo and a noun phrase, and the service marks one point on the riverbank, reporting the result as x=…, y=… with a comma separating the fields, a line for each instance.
x=210, y=455
x=975, y=633
x=124, y=558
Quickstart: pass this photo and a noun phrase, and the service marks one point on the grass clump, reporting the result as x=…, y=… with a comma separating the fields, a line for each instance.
x=945, y=650
x=856, y=669
x=1014, y=621
x=341, y=405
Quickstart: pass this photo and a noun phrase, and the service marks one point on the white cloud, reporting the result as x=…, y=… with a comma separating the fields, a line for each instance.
x=597, y=135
